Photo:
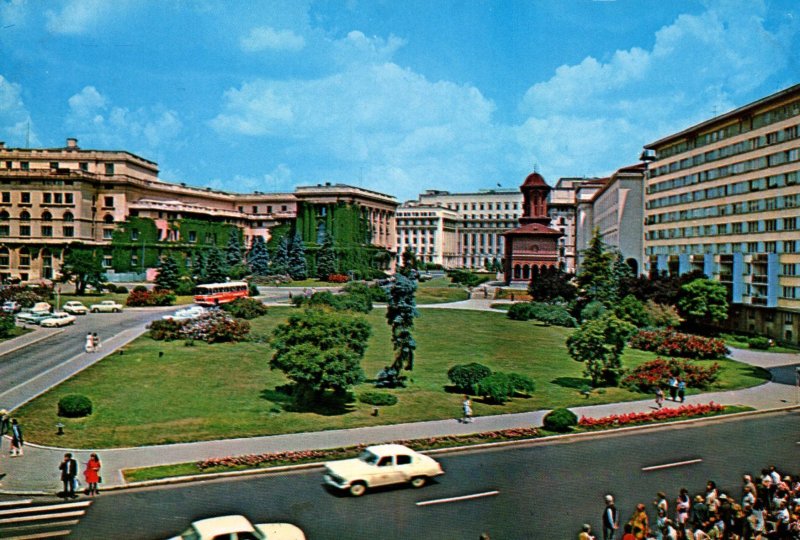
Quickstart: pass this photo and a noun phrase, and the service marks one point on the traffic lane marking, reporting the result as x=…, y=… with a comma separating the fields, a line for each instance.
x=669, y=465
x=457, y=499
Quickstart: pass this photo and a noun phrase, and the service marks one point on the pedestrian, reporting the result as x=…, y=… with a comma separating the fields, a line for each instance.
x=628, y=532
x=96, y=342
x=683, y=505
x=89, y=347
x=681, y=390
x=640, y=523
x=4, y=425
x=659, y=396
x=585, y=533
x=466, y=407
x=610, y=519
x=16, y=438
x=92, y=474
x=673, y=387
x=69, y=471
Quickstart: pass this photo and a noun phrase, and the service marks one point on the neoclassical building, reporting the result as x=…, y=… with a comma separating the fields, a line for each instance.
x=51, y=198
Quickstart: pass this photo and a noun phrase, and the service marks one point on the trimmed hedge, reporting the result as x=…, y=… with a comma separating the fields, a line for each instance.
x=761, y=343
x=74, y=406
x=560, y=420
x=465, y=377
x=377, y=398
x=245, y=308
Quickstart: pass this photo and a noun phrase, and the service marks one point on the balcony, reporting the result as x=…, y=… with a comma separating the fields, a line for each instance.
x=758, y=301
x=728, y=277
x=759, y=278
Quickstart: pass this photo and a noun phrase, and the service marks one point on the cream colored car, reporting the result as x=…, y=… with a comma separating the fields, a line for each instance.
x=381, y=465
x=239, y=528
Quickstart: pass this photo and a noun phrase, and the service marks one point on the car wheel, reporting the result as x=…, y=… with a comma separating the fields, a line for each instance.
x=95, y=310
x=418, y=481
x=116, y=311
x=357, y=489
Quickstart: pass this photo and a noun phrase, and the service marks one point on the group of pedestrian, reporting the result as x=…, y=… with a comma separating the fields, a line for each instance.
x=69, y=475
x=92, y=343
x=10, y=426
x=677, y=391
x=769, y=508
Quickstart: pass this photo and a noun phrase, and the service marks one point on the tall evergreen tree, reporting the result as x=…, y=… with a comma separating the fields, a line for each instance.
x=233, y=251
x=326, y=258
x=410, y=262
x=400, y=314
x=216, y=269
x=199, y=266
x=298, y=267
x=595, y=278
x=280, y=263
x=622, y=274
x=168, y=273
x=258, y=257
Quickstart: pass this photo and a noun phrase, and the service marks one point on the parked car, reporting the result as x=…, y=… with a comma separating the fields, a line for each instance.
x=186, y=314
x=11, y=306
x=75, y=308
x=30, y=317
x=59, y=318
x=106, y=306
x=239, y=527
x=381, y=465
x=40, y=307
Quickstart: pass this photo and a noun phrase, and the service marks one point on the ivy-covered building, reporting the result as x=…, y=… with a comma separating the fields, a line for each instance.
x=113, y=201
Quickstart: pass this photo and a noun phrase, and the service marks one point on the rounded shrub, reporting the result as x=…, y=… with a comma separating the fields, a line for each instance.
x=121, y=289
x=520, y=312
x=496, y=388
x=758, y=343
x=74, y=406
x=465, y=377
x=140, y=288
x=377, y=398
x=560, y=420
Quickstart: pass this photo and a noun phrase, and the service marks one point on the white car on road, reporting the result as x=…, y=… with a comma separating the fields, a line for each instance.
x=239, y=527
x=381, y=465
x=74, y=307
x=59, y=318
x=106, y=306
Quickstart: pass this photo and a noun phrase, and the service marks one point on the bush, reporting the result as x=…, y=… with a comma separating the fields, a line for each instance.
x=758, y=343
x=215, y=326
x=146, y=298
x=496, y=388
x=140, y=288
x=593, y=310
x=552, y=314
x=337, y=278
x=121, y=289
x=377, y=398
x=252, y=290
x=671, y=343
x=6, y=324
x=648, y=376
x=245, y=308
x=465, y=377
x=167, y=329
x=662, y=315
x=185, y=287
x=74, y=406
x=523, y=385
x=560, y=420
x=522, y=311
x=378, y=294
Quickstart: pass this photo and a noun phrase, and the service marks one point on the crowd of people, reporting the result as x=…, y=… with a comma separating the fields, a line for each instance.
x=768, y=507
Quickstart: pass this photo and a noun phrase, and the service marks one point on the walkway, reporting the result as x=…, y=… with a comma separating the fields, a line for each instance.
x=37, y=471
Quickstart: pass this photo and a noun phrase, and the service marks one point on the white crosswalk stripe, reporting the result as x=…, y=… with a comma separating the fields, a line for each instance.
x=24, y=520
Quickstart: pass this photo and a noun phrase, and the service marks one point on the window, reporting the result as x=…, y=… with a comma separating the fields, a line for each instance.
x=68, y=198
x=54, y=164
x=788, y=318
x=789, y=224
x=134, y=234
x=403, y=459
x=47, y=198
x=108, y=234
x=24, y=257
x=68, y=216
x=84, y=166
x=255, y=209
x=6, y=197
x=58, y=198
x=24, y=216
x=5, y=230
x=789, y=246
x=269, y=209
x=241, y=209
x=24, y=230
x=283, y=208
x=47, y=230
x=25, y=197
x=9, y=164
x=109, y=169
x=108, y=202
x=4, y=258
x=69, y=231
x=771, y=225
x=107, y=261
x=47, y=216
x=192, y=236
x=24, y=165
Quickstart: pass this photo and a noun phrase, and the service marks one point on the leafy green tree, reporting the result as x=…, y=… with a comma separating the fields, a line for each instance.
x=596, y=277
x=662, y=315
x=233, y=251
x=168, y=273
x=280, y=263
x=410, y=262
x=599, y=343
x=85, y=266
x=258, y=257
x=400, y=313
x=326, y=258
x=551, y=285
x=622, y=274
x=320, y=350
x=216, y=269
x=703, y=302
x=297, y=266
x=632, y=310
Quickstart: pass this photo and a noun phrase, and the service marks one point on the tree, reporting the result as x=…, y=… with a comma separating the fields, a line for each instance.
x=621, y=273
x=280, y=263
x=703, y=302
x=632, y=310
x=199, y=266
x=258, y=257
x=85, y=266
x=596, y=279
x=552, y=284
x=168, y=273
x=400, y=313
x=320, y=350
x=599, y=344
x=297, y=265
x=326, y=258
x=410, y=263
x=216, y=270
x=233, y=251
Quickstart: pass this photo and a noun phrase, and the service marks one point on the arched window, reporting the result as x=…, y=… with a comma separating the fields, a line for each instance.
x=517, y=271
x=24, y=216
x=526, y=272
x=47, y=216
x=68, y=216
x=24, y=257
x=4, y=216
x=108, y=218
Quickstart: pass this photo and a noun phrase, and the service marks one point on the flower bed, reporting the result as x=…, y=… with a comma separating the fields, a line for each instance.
x=648, y=376
x=671, y=343
x=619, y=420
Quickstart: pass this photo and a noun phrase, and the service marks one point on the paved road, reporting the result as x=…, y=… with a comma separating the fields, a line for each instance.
x=544, y=490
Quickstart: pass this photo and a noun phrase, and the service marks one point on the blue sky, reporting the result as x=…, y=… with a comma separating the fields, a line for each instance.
x=393, y=96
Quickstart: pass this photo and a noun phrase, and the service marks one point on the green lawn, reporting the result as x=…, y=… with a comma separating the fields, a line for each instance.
x=740, y=341
x=440, y=291
x=208, y=392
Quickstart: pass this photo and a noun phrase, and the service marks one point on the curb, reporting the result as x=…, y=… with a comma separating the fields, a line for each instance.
x=30, y=342
x=571, y=437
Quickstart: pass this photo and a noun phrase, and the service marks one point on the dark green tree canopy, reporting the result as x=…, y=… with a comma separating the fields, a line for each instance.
x=298, y=267
x=599, y=343
x=552, y=284
x=596, y=277
x=84, y=265
x=326, y=258
x=280, y=263
x=168, y=273
x=216, y=269
x=258, y=257
x=233, y=251
x=400, y=313
x=703, y=302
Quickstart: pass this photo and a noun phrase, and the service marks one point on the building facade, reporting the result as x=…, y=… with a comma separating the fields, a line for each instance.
x=114, y=201
x=431, y=232
x=565, y=217
x=722, y=197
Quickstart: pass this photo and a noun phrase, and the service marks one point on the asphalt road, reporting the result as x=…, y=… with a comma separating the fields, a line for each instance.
x=538, y=491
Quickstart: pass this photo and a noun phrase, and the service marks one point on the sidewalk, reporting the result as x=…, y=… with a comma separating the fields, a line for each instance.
x=37, y=471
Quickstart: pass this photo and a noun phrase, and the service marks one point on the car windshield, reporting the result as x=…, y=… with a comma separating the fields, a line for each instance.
x=368, y=457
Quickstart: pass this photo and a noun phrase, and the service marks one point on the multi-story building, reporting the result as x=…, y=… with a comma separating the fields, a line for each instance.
x=483, y=217
x=564, y=217
x=114, y=200
x=431, y=232
x=722, y=197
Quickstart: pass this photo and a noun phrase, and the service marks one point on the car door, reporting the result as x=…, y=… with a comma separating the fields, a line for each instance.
x=387, y=471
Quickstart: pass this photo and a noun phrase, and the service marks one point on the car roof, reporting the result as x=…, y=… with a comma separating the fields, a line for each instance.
x=389, y=449
x=222, y=524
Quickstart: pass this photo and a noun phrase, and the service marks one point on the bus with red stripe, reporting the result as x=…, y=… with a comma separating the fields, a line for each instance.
x=214, y=294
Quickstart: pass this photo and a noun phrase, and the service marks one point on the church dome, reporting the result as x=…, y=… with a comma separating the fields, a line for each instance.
x=534, y=180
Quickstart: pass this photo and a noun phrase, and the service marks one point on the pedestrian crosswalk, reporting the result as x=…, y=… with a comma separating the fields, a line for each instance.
x=21, y=519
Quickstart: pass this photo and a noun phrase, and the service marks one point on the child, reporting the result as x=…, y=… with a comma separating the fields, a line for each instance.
x=659, y=397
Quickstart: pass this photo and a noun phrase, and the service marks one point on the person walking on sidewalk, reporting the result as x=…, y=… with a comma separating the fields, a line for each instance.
x=16, y=438
x=69, y=470
x=659, y=396
x=96, y=342
x=681, y=390
x=610, y=519
x=4, y=425
x=673, y=387
x=89, y=347
x=466, y=407
x=92, y=474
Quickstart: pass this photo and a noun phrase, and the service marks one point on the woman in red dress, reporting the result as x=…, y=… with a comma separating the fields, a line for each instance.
x=92, y=474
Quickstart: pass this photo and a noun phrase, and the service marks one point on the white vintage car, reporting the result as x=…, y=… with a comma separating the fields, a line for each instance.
x=74, y=307
x=381, y=465
x=106, y=306
x=59, y=318
x=239, y=527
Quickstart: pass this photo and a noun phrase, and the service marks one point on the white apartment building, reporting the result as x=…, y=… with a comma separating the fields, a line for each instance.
x=431, y=232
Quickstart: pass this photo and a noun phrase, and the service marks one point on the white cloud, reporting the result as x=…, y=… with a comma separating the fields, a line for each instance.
x=80, y=16
x=356, y=48
x=16, y=128
x=91, y=116
x=266, y=38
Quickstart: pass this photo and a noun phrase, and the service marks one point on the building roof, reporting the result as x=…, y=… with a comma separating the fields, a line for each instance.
x=535, y=180
x=534, y=228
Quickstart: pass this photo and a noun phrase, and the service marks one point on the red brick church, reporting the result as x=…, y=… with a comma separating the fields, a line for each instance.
x=533, y=246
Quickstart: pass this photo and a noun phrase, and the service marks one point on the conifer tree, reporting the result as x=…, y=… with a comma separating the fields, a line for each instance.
x=258, y=257
x=400, y=313
x=233, y=251
x=326, y=258
x=168, y=273
x=280, y=263
x=216, y=269
x=595, y=278
x=199, y=266
x=297, y=266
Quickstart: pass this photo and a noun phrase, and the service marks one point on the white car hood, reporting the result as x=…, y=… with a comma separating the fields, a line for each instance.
x=350, y=468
